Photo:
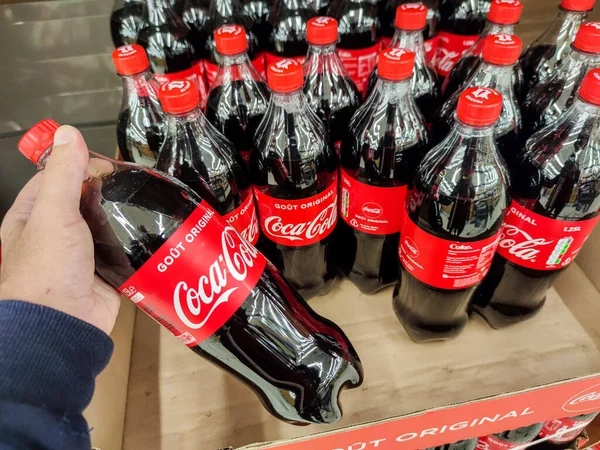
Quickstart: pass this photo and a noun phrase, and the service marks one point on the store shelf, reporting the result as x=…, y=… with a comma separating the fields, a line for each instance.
x=525, y=374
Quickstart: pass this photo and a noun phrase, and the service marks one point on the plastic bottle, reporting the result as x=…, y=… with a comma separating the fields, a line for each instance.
x=510, y=439
x=164, y=248
x=501, y=19
x=230, y=12
x=550, y=98
x=126, y=21
x=461, y=23
x=239, y=97
x=411, y=19
x=295, y=176
x=500, y=54
x=545, y=55
x=329, y=90
x=455, y=209
x=556, y=198
x=386, y=141
x=359, y=43
x=166, y=41
x=141, y=123
x=288, y=31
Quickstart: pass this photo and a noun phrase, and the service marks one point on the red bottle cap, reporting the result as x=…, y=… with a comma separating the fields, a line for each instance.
x=411, y=16
x=285, y=76
x=587, y=38
x=479, y=107
x=396, y=64
x=179, y=96
x=322, y=30
x=130, y=59
x=505, y=12
x=38, y=139
x=577, y=5
x=231, y=40
x=590, y=87
x=502, y=49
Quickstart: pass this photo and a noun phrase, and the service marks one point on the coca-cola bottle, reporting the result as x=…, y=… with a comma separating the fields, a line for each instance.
x=560, y=433
x=195, y=14
x=258, y=13
x=410, y=22
x=387, y=23
x=455, y=208
x=294, y=170
x=141, y=123
x=199, y=156
x=166, y=41
x=544, y=56
x=328, y=88
x=165, y=248
x=288, y=31
x=461, y=23
x=551, y=97
x=239, y=96
x=126, y=21
x=359, y=44
x=501, y=19
x=230, y=12
x=556, y=190
x=386, y=140
x=509, y=439
x=466, y=444
x=500, y=54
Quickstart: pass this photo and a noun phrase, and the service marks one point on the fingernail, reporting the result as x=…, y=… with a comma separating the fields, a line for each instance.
x=64, y=135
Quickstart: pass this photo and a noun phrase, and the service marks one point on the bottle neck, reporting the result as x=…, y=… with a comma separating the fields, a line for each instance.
x=497, y=28
x=411, y=40
x=322, y=59
x=233, y=60
x=142, y=84
x=468, y=131
x=493, y=76
x=159, y=11
x=563, y=28
x=290, y=102
x=387, y=91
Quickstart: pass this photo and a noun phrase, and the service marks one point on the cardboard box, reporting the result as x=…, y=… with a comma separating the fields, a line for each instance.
x=157, y=395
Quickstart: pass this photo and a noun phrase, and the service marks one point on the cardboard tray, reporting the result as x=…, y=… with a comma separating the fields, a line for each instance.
x=158, y=395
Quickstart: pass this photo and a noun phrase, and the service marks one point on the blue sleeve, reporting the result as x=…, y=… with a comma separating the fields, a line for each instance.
x=48, y=365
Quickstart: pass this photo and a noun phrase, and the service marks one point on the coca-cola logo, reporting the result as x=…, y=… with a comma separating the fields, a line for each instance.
x=195, y=301
x=372, y=210
x=460, y=247
x=229, y=29
x=318, y=226
x=411, y=246
x=445, y=59
x=520, y=244
x=250, y=233
x=585, y=401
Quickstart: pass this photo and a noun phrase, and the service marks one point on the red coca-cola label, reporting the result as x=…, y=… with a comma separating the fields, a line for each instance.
x=450, y=47
x=491, y=442
x=212, y=69
x=244, y=219
x=359, y=64
x=445, y=264
x=537, y=242
x=197, y=279
x=563, y=430
x=296, y=223
x=371, y=209
x=195, y=74
x=270, y=58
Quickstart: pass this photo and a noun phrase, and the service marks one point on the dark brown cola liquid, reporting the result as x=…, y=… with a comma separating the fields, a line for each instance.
x=288, y=29
x=126, y=21
x=296, y=361
x=467, y=444
x=383, y=147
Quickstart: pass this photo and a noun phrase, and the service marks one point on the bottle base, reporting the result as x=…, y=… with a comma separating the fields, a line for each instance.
x=324, y=288
x=420, y=331
x=369, y=286
x=500, y=315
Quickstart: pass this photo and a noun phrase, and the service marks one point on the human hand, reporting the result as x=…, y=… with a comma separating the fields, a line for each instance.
x=47, y=248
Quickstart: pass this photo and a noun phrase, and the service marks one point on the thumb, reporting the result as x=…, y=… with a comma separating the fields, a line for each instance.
x=60, y=188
